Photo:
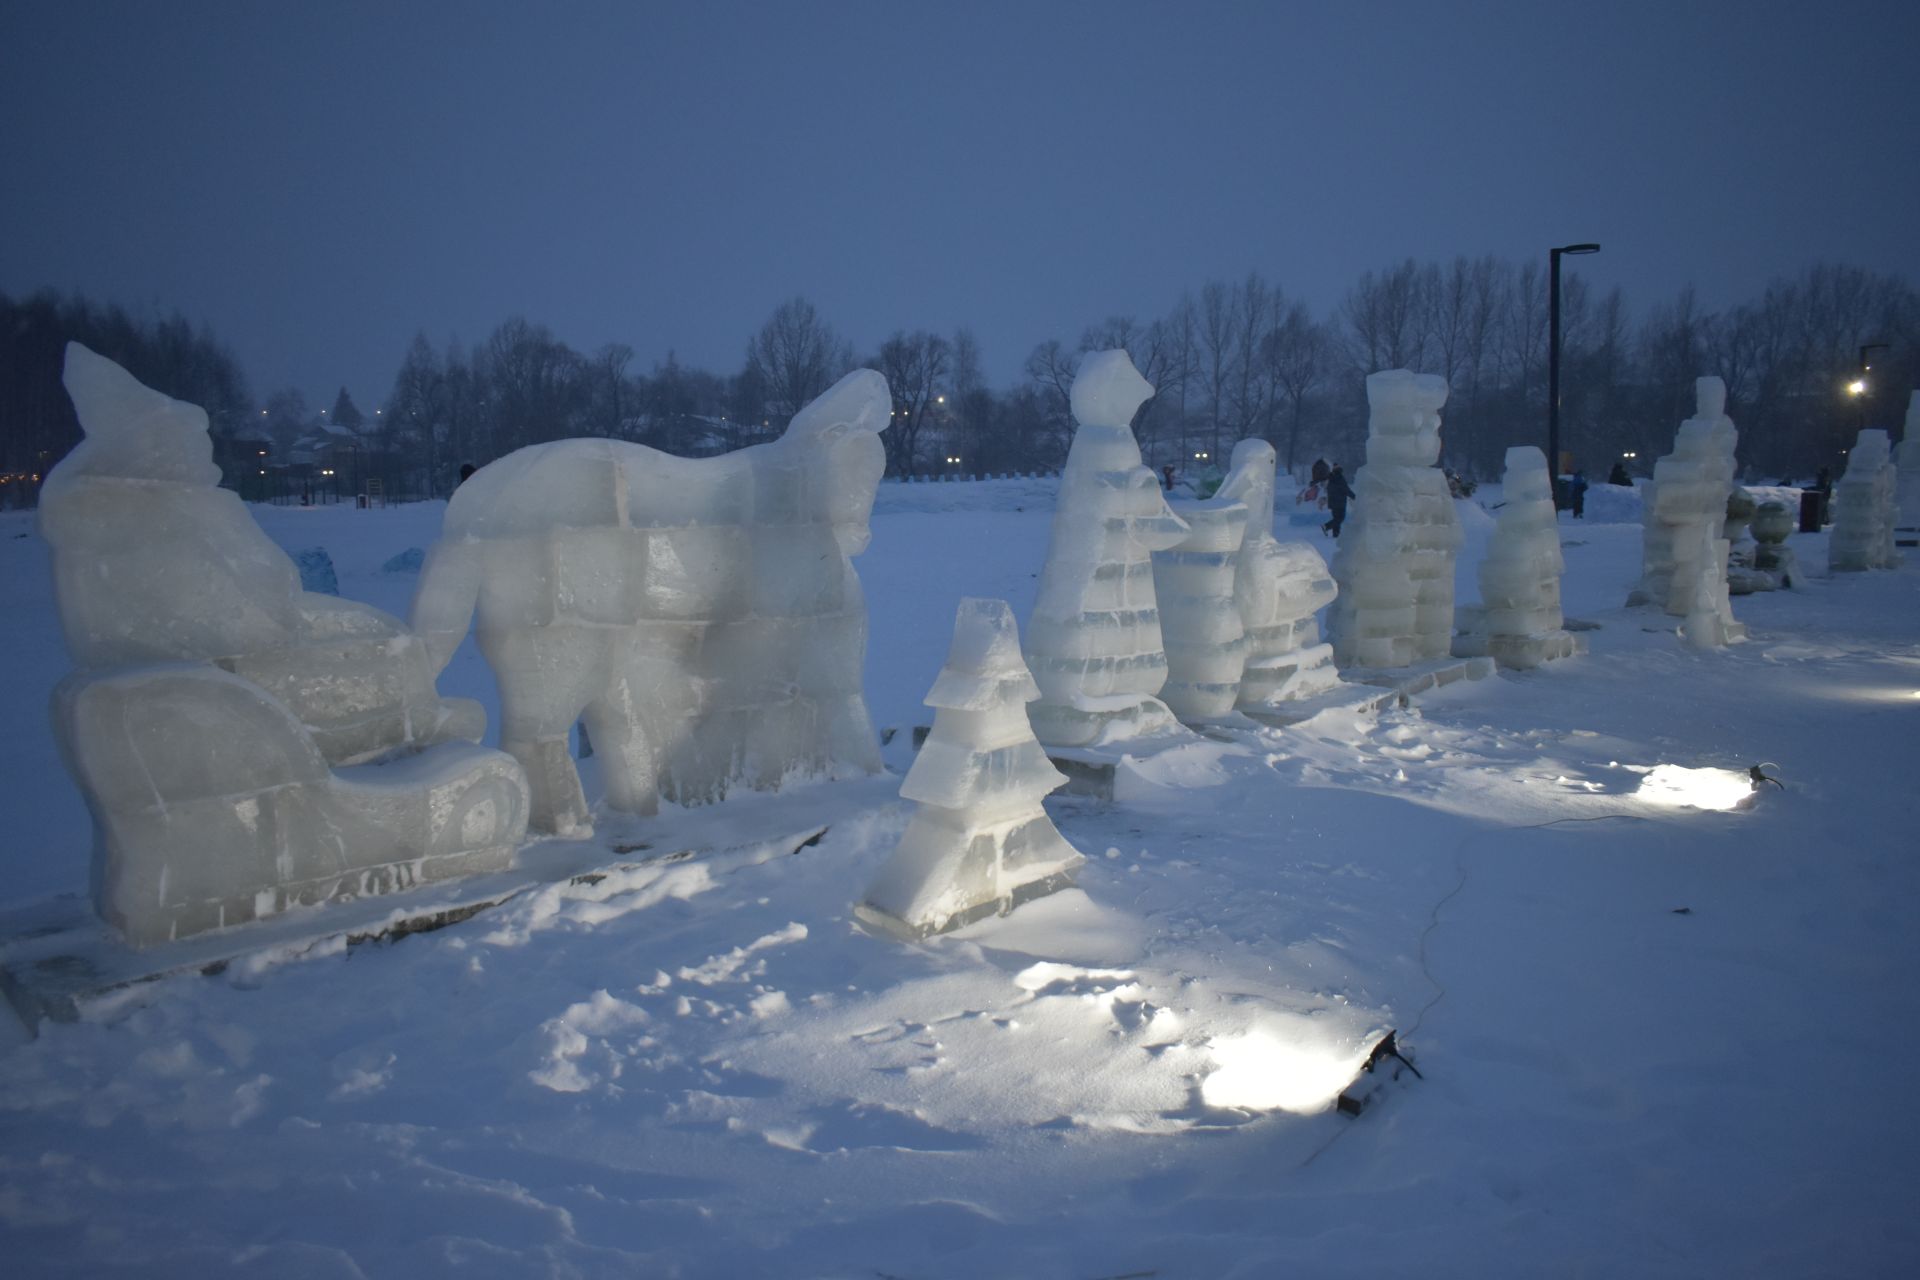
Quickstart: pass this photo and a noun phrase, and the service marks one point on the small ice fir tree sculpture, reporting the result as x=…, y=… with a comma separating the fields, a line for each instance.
x=1279, y=587
x=1094, y=644
x=1519, y=622
x=1683, y=556
x=1395, y=561
x=1864, y=508
x=979, y=842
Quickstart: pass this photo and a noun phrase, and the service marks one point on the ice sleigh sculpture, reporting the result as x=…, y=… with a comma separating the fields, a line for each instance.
x=223, y=725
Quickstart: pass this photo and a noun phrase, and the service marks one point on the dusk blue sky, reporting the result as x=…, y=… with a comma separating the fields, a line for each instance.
x=319, y=181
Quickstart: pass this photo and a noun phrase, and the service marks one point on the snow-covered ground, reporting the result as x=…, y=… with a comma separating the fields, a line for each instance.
x=1658, y=1039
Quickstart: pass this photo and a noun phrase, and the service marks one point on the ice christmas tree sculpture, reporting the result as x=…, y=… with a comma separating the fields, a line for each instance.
x=1395, y=559
x=1094, y=644
x=1683, y=556
x=979, y=842
x=1518, y=621
x=1278, y=588
x=1864, y=508
x=1907, y=479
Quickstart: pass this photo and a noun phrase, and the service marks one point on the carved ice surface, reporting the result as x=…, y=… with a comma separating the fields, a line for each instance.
x=1518, y=621
x=1094, y=645
x=1864, y=511
x=1907, y=475
x=1394, y=563
x=1205, y=639
x=701, y=613
x=1278, y=587
x=214, y=695
x=1683, y=558
x=979, y=840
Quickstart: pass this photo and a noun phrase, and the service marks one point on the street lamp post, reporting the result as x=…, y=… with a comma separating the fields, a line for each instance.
x=1553, y=362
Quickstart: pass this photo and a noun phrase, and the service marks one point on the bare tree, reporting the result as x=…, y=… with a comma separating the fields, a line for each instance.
x=915, y=367
x=795, y=356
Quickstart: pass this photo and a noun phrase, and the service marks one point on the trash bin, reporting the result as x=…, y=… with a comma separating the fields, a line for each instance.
x=1813, y=510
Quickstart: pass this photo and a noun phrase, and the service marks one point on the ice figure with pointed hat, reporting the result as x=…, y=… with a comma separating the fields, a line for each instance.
x=1683, y=556
x=1278, y=588
x=979, y=840
x=703, y=614
x=1395, y=560
x=214, y=698
x=1518, y=621
x=1095, y=645
x=1907, y=479
x=1864, y=508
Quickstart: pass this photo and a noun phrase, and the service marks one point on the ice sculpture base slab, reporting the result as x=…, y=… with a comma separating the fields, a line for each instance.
x=889, y=925
x=1352, y=699
x=1089, y=770
x=1422, y=676
x=58, y=960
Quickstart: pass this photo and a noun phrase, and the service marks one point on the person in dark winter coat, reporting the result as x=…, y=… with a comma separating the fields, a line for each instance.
x=1577, y=494
x=1338, y=494
x=1619, y=476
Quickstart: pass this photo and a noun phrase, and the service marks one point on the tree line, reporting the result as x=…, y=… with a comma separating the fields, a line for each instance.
x=1231, y=359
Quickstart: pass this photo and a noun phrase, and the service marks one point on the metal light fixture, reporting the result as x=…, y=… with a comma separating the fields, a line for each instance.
x=1553, y=362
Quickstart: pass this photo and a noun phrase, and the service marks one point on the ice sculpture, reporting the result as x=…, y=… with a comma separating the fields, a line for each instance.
x=1200, y=624
x=213, y=695
x=1907, y=478
x=1518, y=621
x=1683, y=556
x=1864, y=508
x=701, y=613
x=1395, y=559
x=1278, y=587
x=1094, y=644
x=979, y=840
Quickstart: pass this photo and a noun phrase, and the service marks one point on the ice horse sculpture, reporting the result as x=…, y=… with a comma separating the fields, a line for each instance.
x=701, y=613
x=1518, y=622
x=214, y=698
x=1278, y=588
x=1683, y=556
x=1864, y=508
x=1094, y=645
x=1395, y=559
x=979, y=840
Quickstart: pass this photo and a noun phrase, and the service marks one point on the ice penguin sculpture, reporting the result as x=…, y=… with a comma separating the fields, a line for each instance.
x=1518, y=621
x=1907, y=479
x=702, y=613
x=1094, y=644
x=213, y=696
x=1865, y=508
x=1683, y=556
x=979, y=842
x=1395, y=561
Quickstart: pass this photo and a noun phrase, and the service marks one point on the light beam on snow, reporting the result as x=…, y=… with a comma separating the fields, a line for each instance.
x=1259, y=1071
x=1679, y=787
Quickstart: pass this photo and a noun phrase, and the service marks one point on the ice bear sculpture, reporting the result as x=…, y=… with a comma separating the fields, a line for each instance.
x=979, y=840
x=214, y=696
x=1279, y=587
x=1683, y=556
x=1094, y=645
x=701, y=613
x=1865, y=508
x=1395, y=559
x=1518, y=621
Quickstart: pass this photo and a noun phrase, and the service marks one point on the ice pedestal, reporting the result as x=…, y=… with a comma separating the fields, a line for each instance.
x=1683, y=556
x=1278, y=588
x=1094, y=645
x=215, y=697
x=702, y=614
x=1518, y=622
x=1864, y=508
x=1200, y=624
x=979, y=840
x=1394, y=563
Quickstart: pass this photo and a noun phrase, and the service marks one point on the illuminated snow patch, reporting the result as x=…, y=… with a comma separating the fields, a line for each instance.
x=1260, y=1071
x=1677, y=786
